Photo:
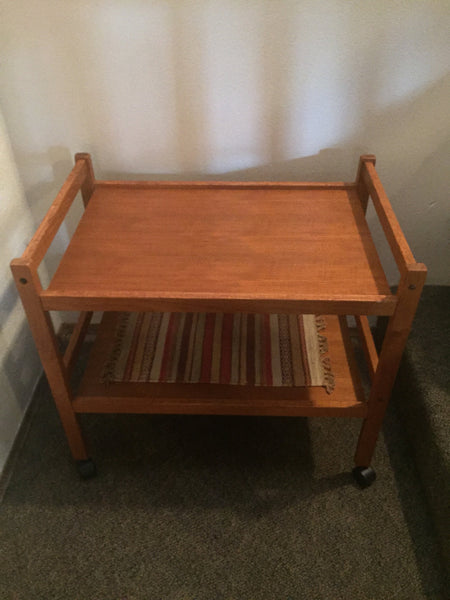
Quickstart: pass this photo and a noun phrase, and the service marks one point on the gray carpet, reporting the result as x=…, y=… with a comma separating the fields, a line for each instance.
x=203, y=508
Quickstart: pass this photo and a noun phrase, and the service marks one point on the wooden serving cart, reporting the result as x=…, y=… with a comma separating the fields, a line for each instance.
x=222, y=247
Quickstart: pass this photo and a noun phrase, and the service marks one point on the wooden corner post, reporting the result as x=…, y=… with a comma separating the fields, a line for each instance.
x=88, y=185
x=408, y=295
x=361, y=187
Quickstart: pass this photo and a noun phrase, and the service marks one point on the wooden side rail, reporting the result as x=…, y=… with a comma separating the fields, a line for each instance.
x=76, y=340
x=368, y=183
x=368, y=345
x=80, y=179
x=230, y=185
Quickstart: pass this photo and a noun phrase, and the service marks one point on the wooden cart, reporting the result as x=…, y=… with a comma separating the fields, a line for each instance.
x=222, y=247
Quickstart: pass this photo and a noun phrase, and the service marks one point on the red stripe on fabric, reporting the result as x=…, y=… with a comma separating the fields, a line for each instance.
x=150, y=344
x=205, y=375
x=133, y=346
x=168, y=347
x=227, y=333
x=251, y=349
x=267, y=356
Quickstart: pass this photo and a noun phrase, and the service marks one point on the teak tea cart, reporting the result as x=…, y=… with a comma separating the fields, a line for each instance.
x=269, y=247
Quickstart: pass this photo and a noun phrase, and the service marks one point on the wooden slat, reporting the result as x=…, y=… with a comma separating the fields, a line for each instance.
x=231, y=185
x=249, y=404
x=345, y=339
x=47, y=230
x=368, y=345
x=394, y=234
x=76, y=340
x=133, y=301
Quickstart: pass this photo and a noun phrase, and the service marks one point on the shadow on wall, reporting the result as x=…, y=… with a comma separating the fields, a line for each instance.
x=193, y=88
x=208, y=100
x=19, y=364
x=412, y=147
x=424, y=209
x=394, y=133
x=19, y=373
x=8, y=302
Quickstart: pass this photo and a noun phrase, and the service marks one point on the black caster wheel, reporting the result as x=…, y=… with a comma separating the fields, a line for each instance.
x=86, y=468
x=364, y=476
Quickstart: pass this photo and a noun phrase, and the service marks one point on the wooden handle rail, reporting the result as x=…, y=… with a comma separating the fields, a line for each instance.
x=368, y=344
x=76, y=340
x=40, y=242
x=391, y=227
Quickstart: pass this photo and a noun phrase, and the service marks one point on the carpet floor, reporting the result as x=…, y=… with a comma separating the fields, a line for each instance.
x=422, y=395
x=211, y=508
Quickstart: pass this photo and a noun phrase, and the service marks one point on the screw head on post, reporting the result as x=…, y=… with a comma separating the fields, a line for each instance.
x=23, y=280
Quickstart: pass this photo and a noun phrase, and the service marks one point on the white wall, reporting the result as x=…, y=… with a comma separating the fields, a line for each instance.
x=226, y=88
x=255, y=89
x=19, y=363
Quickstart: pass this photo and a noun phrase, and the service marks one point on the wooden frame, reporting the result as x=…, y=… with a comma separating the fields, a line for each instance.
x=233, y=265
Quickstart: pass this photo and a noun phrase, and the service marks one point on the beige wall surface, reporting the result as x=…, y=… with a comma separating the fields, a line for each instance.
x=223, y=88
x=228, y=89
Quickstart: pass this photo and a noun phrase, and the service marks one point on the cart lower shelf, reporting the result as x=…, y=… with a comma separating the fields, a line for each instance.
x=346, y=400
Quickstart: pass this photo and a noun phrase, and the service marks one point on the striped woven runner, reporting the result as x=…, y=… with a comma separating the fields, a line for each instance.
x=237, y=349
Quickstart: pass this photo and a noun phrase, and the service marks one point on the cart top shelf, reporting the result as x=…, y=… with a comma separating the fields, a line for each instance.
x=222, y=246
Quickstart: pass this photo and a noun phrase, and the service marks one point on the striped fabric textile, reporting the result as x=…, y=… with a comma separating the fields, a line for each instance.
x=236, y=349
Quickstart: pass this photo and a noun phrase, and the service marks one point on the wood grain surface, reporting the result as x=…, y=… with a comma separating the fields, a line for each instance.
x=216, y=248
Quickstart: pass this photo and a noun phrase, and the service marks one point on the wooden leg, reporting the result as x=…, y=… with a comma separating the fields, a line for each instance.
x=394, y=343
x=367, y=441
x=43, y=332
